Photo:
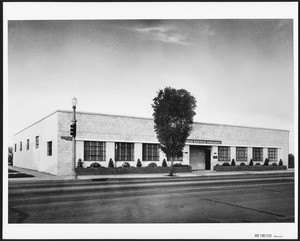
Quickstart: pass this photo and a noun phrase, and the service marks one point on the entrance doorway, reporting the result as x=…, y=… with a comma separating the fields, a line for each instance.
x=200, y=157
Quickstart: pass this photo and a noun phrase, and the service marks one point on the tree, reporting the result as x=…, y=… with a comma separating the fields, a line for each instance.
x=139, y=163
x=291, y=159
x=173, y=119
x=10, y=156
x=111, y=163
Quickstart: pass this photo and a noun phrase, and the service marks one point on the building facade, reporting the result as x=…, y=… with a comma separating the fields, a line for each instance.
x=102, y=137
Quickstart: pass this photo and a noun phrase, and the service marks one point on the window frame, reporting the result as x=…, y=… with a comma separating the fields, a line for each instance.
x=275, y=157
x=94, y=151
x=49, y=148
x=37, y=142
x=260, y=155
x=150, y=152
x=222, y=150
x=241, y=154
x=124, y=151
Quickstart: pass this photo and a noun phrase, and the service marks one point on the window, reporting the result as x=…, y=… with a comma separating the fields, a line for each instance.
x=21, y=146
x=27, y=144
x=257, y=154
x=224, y=153
x=49, y=148
x=15, y=147
x=150, y=152
x=94, y=151
x=37, y=142
x=272, y=154
x=241, y=154
x=124, y=151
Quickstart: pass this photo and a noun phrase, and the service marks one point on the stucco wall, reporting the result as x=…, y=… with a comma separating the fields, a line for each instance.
x=37, y=159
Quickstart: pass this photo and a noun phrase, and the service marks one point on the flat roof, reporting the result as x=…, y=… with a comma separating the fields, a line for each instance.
x=143, y=118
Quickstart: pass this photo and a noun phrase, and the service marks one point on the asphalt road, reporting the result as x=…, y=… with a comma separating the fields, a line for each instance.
x=261, y=198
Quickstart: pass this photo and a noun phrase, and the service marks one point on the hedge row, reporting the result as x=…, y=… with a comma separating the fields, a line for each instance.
x=130, y=170
x=248, y=168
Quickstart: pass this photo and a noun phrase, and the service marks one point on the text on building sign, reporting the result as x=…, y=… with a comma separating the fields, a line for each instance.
x=203, y=141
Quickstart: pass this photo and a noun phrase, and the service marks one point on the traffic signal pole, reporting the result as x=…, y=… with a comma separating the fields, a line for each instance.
x=73, y=133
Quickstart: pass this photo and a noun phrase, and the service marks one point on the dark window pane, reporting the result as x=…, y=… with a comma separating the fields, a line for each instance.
x=224, y=153
x=257, y=154
x=150, y=152
x=94, y=151
x=241, y=154
x=272, y=154
x=124, y=151
x=49, y=148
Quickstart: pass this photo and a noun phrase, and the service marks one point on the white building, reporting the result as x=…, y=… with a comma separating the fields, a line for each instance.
x=102, y=137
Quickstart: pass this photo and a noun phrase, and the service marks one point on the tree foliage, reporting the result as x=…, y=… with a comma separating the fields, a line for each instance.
x=10, y=155
x=291, y=159
x=111, y=163
x=174, y=110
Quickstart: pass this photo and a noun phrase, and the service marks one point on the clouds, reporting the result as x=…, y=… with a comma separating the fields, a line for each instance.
x=165, y=34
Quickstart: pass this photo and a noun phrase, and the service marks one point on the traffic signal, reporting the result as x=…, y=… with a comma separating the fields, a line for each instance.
x=73, y=129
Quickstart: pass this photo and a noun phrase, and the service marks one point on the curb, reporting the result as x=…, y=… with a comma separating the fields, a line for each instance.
x=116, y=180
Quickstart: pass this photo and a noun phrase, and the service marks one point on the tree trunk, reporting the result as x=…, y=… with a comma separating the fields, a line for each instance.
x=171, y=171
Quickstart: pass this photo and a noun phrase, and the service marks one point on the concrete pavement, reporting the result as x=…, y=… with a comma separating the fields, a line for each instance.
x=38, y=176
x=256, y=199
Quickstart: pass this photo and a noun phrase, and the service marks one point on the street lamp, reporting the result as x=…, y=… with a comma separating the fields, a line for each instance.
x=74, y=103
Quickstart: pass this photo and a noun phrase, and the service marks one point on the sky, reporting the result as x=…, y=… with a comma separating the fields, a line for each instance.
x=239, y=70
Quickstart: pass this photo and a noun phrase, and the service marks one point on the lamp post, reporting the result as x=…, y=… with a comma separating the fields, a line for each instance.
x=74, y=176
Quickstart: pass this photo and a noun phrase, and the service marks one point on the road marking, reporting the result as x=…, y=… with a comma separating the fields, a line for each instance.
x=272, y=190
x=235, y=205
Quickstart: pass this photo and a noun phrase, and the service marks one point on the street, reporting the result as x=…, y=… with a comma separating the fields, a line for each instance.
x=256, y=198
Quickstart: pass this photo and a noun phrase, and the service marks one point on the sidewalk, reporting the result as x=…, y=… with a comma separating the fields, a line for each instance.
x=45, y=176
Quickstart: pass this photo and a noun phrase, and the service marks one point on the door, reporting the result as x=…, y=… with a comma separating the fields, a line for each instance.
x=207, y=160
x=197, y=158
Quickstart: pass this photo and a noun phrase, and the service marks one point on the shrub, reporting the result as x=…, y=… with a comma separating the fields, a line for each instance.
x=80, y=163
x=233, y=162
x=217, y=165
x=226, y=164
x=125, y=164
x=257, y=164
x=251, y=163
x=242, y=164
x=164, y=163
x=280, y=163
x=266, y=163
x=111, y=163
x=95, y=165
x=152, y=164
x=177, y=165
x=291, y=161
x=274, y=164
x=138, y=164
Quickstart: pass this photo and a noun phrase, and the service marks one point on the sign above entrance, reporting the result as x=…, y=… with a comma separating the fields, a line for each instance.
x=203, y=141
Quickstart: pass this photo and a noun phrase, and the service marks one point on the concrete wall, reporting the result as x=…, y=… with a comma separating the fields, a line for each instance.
x=111, y=129
x=250, y=137
x=37, y=159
